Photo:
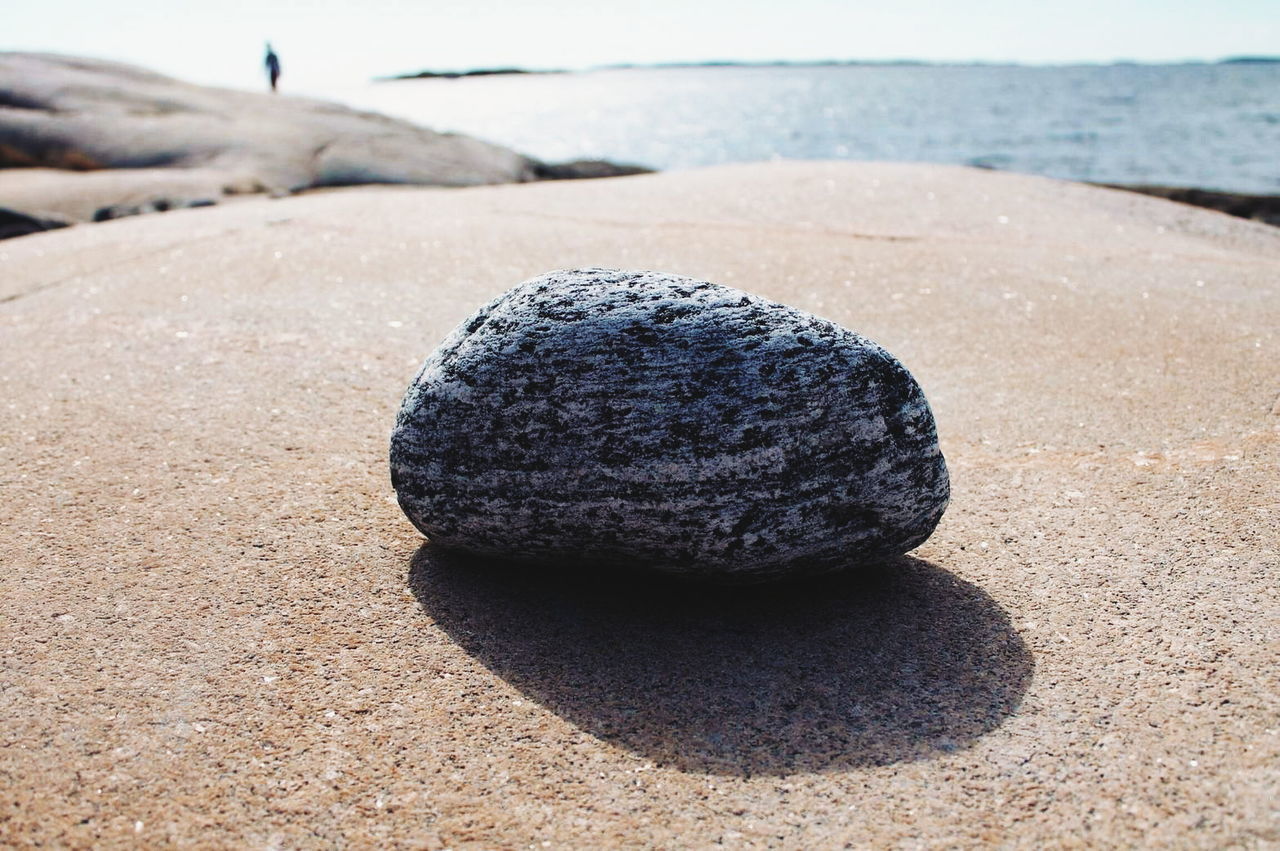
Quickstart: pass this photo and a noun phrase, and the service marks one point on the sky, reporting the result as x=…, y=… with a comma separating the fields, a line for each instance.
x=326, y=43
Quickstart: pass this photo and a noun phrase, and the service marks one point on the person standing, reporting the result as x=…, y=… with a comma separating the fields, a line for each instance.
x=273, y=66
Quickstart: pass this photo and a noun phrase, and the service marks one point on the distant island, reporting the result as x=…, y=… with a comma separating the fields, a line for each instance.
x=1250, y=60
x=454, y=75
x=785, y=63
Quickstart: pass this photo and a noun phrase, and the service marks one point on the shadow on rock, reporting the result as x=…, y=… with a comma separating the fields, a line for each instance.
x=884, y=664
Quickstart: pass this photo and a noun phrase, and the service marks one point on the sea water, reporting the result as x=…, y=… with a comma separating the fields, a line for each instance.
x=1206, y=125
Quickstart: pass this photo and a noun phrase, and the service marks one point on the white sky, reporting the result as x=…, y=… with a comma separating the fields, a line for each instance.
x=325, y=44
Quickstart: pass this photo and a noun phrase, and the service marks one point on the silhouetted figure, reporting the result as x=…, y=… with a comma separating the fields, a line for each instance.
x=273, y=66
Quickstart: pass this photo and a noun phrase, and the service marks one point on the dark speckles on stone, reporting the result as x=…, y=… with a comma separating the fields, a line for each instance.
x=641, y=418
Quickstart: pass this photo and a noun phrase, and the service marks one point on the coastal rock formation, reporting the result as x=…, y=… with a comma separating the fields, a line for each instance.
x=86, y=115
x=1260, y=208
x=651, y=419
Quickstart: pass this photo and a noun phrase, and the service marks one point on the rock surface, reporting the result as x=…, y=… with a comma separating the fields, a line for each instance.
x=204, y=578
x=80, y=196
x=652, y=419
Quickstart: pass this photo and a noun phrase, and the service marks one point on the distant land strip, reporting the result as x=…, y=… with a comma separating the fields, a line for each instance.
x=784, y=63
x=453, y=75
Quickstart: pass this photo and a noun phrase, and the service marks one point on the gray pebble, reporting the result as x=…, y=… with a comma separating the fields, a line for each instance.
x=639, y=418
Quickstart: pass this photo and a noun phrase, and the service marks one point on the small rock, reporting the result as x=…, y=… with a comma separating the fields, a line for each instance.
x=153, y=205
x=17, y=223
x=649, y=419
x=118, y=211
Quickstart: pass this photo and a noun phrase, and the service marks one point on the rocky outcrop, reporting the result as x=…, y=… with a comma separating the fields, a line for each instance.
x=1260, y=208
x=86, y=115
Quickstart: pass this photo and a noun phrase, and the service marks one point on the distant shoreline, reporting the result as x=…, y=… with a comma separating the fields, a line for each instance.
x=283, y=145
x=430, y=74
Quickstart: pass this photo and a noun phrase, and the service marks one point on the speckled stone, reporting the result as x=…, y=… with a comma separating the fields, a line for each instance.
x=656, y=420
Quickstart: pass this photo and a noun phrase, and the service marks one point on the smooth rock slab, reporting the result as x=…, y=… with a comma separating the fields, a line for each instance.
x=656, y=420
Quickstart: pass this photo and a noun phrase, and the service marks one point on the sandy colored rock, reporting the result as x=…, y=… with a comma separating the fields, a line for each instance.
x=219, y=630
x=79, y=195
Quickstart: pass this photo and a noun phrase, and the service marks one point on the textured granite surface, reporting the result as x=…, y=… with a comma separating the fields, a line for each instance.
x=657, y=420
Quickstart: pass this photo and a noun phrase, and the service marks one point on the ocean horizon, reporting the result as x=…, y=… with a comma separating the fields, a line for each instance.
x=1211, y=125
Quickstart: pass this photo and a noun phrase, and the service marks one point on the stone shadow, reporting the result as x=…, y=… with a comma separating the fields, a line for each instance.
x=880, y=665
